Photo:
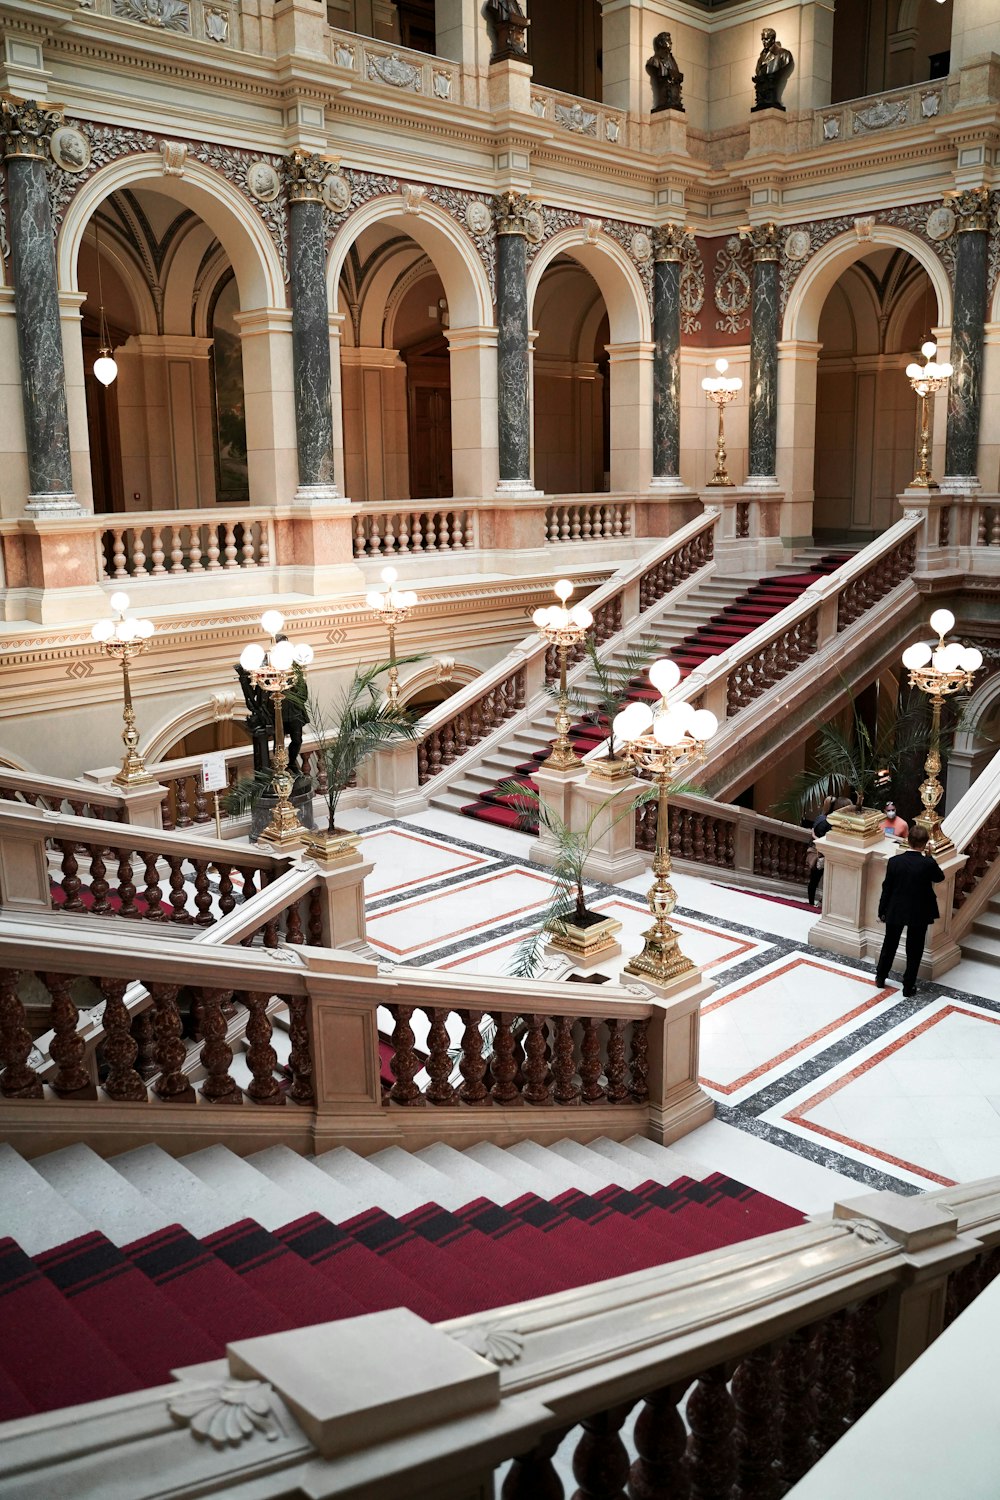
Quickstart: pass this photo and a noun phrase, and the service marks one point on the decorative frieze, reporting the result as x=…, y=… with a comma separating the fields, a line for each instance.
x=106, y=143
x=917, y=218
x=692, y=286
x=236, y=165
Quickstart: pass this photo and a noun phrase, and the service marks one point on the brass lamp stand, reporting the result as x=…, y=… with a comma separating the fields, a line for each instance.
x=926, y=380
x=563, y=628
x=271, y=669
x=392, y=606
x=720, y=390
x=939, y=671
x=123, y=639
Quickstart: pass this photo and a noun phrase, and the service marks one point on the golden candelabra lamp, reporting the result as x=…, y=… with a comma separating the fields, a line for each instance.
x=940, y=671
x=273, y=670
x=661, y=741
x=563, y=628
x=720, y=389
x=123, y=639
x=926, y=380
x=391, y=605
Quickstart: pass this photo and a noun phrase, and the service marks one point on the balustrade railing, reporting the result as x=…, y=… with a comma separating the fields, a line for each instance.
x=587, y=520
x=474, y=721
x=974, y=827
x=185, y=543
x=57, y=794
x=388, y=532
x=723, y=837
x=750, y=677
x=883, y=575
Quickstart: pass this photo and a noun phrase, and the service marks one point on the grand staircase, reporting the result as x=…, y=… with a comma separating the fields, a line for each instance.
x=113, y=1273
x=701, y=625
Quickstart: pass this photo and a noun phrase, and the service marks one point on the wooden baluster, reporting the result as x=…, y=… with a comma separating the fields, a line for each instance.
x=99, y=886
x=126, y=887
x=834, y=1379
x=600, y=1460
x=182, y=817
x=617, y=1091
x=439, y=1064
x=532, y=1476
x=171, y=1052
x=314, y=921
x=796, y=1409
x=18, y=1080
x=152, y=892
x=67, y=1046
x=536, y=1088
x=660, y=1472
x=472, y=1064
x=294, y=933
x=865, y=1352
x=755, y=1395
x=216, y=1054
x=404, y=1063
x=565, y=1090
x=227, y=901
x=591, y=1091
x=261, y=1056
x=71, y=881
x=504, y=1064
x=300, y=1057
x=123, y=1083
x=178, y=890
x=144, y=1036
x=711, y=1415
x=202, y=894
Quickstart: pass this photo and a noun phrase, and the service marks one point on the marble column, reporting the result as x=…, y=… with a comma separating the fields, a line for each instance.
x=763, y=393
x=968, y=324
x=305, y=176
x=26, y=129
x=513, y=405
x=668, y=244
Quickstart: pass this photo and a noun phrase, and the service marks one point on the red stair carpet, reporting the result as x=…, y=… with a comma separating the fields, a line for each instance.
x=87, y=1320
x=759, y=603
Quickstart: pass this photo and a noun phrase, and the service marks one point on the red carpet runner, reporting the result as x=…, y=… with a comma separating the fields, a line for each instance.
x=88, y=1320
x=764, y=599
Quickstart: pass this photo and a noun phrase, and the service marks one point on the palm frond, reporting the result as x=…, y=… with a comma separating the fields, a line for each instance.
x=365, y=722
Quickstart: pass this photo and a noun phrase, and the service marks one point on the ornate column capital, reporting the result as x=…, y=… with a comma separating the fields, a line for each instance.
x=510, y=213
x=26, y=127
x=670, y=241
x=305, y=176
x=762, y=239
x=972, y=209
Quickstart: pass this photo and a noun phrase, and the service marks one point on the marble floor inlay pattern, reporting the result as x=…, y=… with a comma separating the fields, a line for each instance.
x=799, y=1048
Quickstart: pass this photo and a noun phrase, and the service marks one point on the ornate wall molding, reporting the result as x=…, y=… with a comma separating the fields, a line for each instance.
x=732, y=285
x=107, y=144
x=631, y=236
x=692, y=285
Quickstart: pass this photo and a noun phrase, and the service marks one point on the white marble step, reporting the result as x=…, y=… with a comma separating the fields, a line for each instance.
x=302, y=1179
x=101, y=1195
x=664, y=1163
x=181, y=1194
x=414, y=1172
x=522, y=1176
x=372, y=1187
x=244, y=1192
x=597, y=1169
x=558, y=1174
x=474, y=1179
x=32, y=1211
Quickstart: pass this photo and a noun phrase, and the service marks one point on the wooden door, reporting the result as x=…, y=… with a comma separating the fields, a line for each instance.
x=102, y=433
x=428, y=387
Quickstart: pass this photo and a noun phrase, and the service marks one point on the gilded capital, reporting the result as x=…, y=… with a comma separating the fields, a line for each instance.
x=305, y=176
x=972, y=209
x=670, y=241
x=762, y=239
x=510, y=213
x=27, y=127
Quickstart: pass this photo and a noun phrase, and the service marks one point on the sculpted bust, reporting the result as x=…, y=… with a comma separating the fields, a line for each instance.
x=665, y=76
x=508, y=24
x=773, y=67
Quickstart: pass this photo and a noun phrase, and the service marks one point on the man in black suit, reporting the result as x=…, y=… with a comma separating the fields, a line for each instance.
x=908, y=900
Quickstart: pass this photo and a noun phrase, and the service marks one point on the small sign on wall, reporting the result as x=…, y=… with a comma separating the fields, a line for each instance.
x=214, y=778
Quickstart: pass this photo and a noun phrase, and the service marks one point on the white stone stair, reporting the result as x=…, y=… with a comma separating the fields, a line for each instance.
x=982, y=941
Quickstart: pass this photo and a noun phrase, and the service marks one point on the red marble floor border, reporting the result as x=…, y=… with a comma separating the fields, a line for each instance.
x=807, y=1041
x=471, y=861
x=797, y=1114
x=444, y=937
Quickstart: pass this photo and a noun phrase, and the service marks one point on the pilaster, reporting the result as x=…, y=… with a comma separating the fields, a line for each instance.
x=306, y=175
x=763, y=393
x=968, y=323
x=513, y=406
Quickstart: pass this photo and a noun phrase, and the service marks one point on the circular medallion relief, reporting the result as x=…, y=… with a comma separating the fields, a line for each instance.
x=336, y=192
x=534, y=224
x=478, y=217
x=798, y=245
x=263, y=181
x=642, y=245
x=940, y=223
x=70, y=149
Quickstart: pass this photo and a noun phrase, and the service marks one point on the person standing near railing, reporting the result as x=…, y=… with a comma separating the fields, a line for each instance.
x=908, y=900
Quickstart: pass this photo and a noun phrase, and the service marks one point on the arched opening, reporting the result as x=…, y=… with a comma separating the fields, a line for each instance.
x=564, y=43
x=874, y=319
x=572, y=382
x=411, y=23
x=887, y=46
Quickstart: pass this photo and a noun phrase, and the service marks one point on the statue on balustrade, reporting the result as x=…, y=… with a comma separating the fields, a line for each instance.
x=665, y=76
x=259, y=720
x=260, y=717
x=773, y=67
x=508, y=25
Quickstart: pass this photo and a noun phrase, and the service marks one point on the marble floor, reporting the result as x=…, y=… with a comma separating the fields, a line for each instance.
x=825, y=1085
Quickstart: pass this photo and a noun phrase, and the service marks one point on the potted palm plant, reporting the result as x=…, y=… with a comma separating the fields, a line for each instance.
x=567, y=923
x=359, y=723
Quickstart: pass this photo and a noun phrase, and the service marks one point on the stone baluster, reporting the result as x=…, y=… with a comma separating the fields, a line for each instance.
x=202, y=894
x=151, y=895
x=510, y=215
x=404, y=1064
x=305, y=175
x=639, y=1064
x=26, y=129
x=300, y=1056
x=123, y=1083
x=763, y=393
x=144, y=1036
x=227, y=900
x=796, y=1408
x=532, y=1476
x=536, y=1065
x=261, y=1056
x=439, y=1064
x=216, y=1054
x=178, y=890
x=314, y=918
x=968, y=325
x=865, y=1351
x=126, y=886
x=472, y=1064
x=600, y=1460
x=617, y=1091
x=172, y=1086
x=660, y=1470
x=18, y=1080
x=71, y=881
x=565, y=1089
x=591, y=1091
x=711, y=1415
x=668, y=245
x=504, y=1064
x=755, y=1396
x=834, y=1379
x=67, y=1046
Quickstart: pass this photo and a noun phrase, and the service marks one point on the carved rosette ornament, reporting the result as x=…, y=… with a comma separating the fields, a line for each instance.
x=228, y=1415
x=305, y=177
x=971, y=207
x=26, y=128
x=763, y=241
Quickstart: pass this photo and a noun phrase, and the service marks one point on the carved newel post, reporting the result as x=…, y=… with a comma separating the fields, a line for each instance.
x=511, y=216
x=763, y=392
x=665, y=76
x=26, y=129
x=668, y=246
x=305, y=177
x=968, y=324
x=508, y=28
x=773, y=67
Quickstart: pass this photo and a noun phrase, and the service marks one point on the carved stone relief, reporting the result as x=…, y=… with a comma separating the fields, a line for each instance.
x=229, y=1414
x=394, y=71
x=574, y=117
x=882, y=115
x=692, y=286
x=171, y=15
x=732, y=286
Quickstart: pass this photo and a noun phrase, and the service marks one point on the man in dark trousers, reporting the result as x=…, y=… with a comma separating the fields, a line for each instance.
x=908, y=900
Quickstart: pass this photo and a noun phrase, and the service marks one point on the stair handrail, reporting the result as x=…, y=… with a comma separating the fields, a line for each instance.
x=33, y=789
x=973, y=826
x=779, y=1345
